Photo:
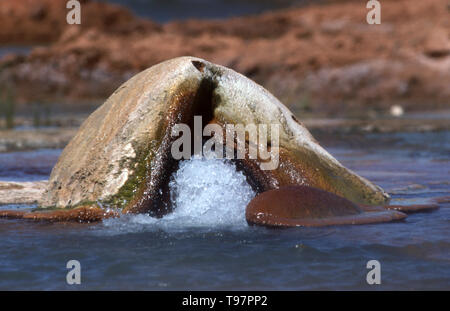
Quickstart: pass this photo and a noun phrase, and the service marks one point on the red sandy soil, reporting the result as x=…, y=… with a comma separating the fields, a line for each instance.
x=320, y=58
x=27, y=22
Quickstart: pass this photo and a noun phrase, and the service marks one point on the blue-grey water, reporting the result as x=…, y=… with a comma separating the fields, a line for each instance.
x=139, y=253
x=27, y=166
x=164, y=11
x=16, y=50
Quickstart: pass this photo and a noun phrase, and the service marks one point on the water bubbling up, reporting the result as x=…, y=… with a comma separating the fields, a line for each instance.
x=210, y=192
x=204, y=193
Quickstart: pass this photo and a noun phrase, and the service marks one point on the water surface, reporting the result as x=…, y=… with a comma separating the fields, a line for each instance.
x=17, y=50
x=142, y=253
x=163, y=10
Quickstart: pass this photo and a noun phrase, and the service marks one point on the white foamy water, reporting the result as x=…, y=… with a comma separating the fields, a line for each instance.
x=204, y=193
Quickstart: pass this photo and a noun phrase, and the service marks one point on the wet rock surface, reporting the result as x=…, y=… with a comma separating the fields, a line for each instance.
x=298, y=206
x=414, y=208
x=79, y=214
x=121, y=154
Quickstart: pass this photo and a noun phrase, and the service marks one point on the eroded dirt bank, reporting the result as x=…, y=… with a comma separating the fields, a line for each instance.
x=318, y=59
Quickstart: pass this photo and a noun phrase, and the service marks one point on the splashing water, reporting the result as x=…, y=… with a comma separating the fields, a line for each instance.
x=205, y=193
x=210, y=192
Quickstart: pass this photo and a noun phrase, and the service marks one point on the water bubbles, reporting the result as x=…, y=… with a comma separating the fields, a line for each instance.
x=207, y=193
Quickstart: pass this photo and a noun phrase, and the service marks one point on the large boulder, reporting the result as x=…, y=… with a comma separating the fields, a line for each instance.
x=121, y=157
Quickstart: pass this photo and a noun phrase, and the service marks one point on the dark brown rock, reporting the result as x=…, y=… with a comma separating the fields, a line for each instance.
x=294, y=206
x=80, y=214
x=414, y=208
x=442, y=200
